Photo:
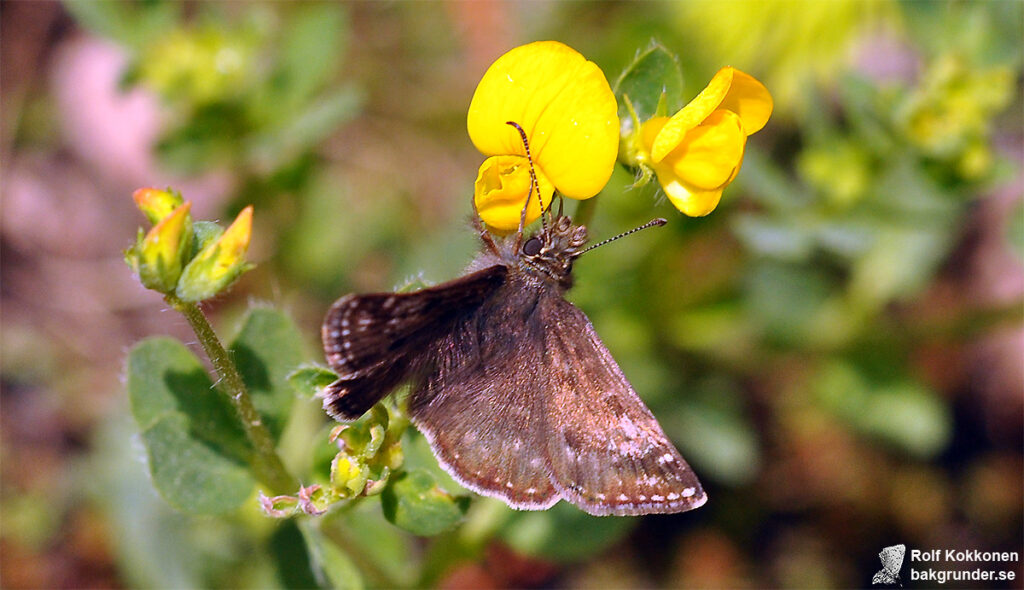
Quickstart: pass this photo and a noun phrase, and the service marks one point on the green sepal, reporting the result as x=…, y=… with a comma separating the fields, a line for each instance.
x=206, y=232
x=653, y=84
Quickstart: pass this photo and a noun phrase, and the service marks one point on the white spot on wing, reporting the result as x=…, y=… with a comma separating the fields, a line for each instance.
x=628, y=428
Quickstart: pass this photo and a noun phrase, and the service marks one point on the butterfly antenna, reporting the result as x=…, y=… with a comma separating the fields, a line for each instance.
x=654, y=222
x=534, y=186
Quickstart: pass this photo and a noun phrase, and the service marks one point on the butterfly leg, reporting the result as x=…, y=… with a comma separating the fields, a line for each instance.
x=485, y=236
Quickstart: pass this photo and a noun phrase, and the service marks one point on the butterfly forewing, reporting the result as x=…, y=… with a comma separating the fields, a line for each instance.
x=608, y=454
x=481, y=407
x=375, y=342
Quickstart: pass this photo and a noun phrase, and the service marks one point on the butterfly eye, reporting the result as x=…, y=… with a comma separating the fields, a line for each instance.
x=532, y=247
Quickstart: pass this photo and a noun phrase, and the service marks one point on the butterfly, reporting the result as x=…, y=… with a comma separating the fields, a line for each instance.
x=510, y=384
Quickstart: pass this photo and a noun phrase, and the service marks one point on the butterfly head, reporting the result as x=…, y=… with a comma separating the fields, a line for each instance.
x=552, y=250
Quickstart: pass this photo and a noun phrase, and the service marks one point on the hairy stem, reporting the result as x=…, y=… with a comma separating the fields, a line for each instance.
x=265, y=462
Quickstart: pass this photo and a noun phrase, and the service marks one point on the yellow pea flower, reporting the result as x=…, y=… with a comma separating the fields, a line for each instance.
x=568, y=111
x=697, y=152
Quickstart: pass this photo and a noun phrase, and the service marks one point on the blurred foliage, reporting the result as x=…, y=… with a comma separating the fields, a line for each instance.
x=791, y=47
x=812, y=346
x=253, y=94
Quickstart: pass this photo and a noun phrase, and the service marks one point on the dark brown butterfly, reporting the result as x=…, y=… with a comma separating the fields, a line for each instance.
x=511, y=385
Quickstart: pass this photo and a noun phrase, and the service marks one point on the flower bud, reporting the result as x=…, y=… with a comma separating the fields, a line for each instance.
x=220, y=263
x=156, y=204
x=158, y=257
x=348, y=473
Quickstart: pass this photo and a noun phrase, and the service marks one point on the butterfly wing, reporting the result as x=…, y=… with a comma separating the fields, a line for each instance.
x=481, y=406
x=608, y=454
x=377, y=341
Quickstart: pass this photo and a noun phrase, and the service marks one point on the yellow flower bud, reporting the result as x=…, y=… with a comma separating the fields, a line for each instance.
x=348, y=473
x=157, y=204
x=158, y=257
x=218, y=264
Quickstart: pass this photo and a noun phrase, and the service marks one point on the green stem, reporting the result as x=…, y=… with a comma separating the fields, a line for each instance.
x=265, y=462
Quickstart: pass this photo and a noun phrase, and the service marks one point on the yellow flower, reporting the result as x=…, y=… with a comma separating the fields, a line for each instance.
x=564, y=104
x=698, y=151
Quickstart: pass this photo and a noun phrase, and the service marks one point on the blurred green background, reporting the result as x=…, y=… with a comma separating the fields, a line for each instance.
x=838, y=350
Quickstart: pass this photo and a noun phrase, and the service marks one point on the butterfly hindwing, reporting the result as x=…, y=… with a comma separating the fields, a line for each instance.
x=481, y=412
x=608, y=454
x=375, y=342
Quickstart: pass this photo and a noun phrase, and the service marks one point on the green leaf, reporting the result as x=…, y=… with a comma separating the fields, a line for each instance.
x=206, y=140
x=190, y=474
x=328, y=560
x=313, y=46
x=654, y=74
x=786, y=299
x=765, y=236
x=770, y=186
x=910, y=416
x=317, y=121
x=266, y=351
x=414, y=502
x=293, y=561
x=899, y=264
x=307, y=381
x=901, y=412
x=714, y=433
x=196, y=449
x=150, y=538
x=563, y=533
x=165, y=378
x=131, y=23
